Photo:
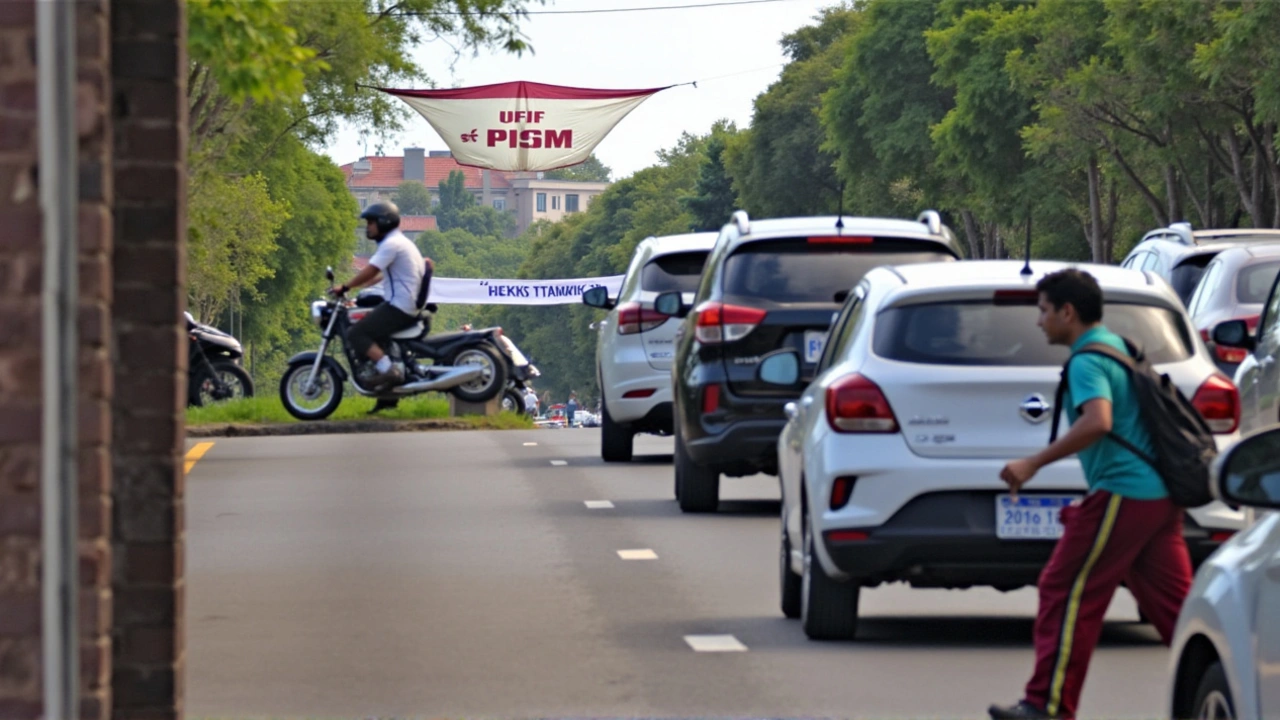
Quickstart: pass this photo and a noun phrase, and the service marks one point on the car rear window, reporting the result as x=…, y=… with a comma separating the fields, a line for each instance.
x=677, y=272
x=1255, y=281
x=985, y=333
x=1186, y=275
x=800, y=271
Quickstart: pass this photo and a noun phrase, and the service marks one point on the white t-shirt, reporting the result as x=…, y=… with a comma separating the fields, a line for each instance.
x=402, y=267
x=531, y=402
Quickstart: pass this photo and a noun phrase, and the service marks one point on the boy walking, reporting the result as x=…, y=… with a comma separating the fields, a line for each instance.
x=1125, y=528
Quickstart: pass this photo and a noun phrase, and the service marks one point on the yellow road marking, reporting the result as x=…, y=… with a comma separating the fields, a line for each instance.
x=195, y=454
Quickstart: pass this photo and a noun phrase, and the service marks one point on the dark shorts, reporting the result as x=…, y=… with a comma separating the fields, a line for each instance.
x=378, y=326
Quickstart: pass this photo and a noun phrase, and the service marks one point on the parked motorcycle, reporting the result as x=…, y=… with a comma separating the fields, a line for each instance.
x=213, y=370
x=470, y=365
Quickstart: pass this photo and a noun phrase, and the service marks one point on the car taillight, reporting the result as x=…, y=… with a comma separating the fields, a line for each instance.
x=856, y=405
x=632, y=318
x=847, y=535
x=1221, y=536
x=1218, y=401
x=719, y=323
x=710, y=399
x=841, y=490
x=1230, y=354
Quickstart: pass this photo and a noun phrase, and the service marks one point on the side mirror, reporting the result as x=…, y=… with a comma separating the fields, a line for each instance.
x=597, y=297
x=780, y=369
x=671, y=304
x=1233, y=333
x=1249, y=473
x=328, y=273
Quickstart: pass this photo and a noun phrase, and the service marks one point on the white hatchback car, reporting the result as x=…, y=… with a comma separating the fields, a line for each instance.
x=635, y=342
x=935, y=375
x=1225, y=660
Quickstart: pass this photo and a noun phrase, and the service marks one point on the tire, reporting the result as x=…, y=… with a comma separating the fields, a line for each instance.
x=697, y=488
x=232, y=375
x=487, y=386
x=512, y=401
x=323, y=400
x=616, y=439
x=790, y=584
x=1213, y=695
x=828, y=608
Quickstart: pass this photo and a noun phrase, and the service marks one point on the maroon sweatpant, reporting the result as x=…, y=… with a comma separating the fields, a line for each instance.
x=1106, y=540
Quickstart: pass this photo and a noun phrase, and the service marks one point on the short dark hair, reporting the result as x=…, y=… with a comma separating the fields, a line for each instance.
x=1076, y=287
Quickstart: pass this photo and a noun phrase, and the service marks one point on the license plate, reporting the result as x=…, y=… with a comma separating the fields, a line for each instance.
x=814, y=341
x=1030, y=517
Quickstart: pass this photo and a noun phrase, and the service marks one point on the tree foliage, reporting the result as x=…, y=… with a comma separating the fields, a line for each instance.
x=589, y=170
x=413, y=198
x=713, y=200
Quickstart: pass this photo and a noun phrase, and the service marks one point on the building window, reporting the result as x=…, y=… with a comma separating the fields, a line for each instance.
x=499, y=203
x=555, y=202
x=542, y=202
x=363, y=202
x=571, y=203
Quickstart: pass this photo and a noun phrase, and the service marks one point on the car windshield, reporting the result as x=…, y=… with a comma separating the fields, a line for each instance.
x=1187, y=275
x=984, y=333
x=803, y=271
x=1255, y=281
x=675, y=272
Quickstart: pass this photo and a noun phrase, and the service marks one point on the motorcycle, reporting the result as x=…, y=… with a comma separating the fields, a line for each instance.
x=469, y=365
x=213, y=369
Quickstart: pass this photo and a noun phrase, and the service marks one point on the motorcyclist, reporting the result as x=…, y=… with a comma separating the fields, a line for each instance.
x=401, y=266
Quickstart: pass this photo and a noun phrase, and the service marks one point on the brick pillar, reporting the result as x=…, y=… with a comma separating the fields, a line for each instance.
x=149, y=106
x=21, y=252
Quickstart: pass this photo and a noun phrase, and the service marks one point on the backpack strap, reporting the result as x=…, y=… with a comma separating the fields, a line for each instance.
x=1128, y=362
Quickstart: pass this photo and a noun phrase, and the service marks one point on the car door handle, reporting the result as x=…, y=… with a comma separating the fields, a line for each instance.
x=806, y=401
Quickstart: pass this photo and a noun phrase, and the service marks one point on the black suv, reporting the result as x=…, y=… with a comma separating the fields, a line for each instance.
x=768, y=285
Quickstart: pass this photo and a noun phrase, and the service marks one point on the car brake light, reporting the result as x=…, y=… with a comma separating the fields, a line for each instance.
x=1016, y=297
x=710, y=399
x=1204, y=335
x=847, y=535
x=632, y=318
x=841, y=240
x=856, y=405
x=719, y=323
x=1218, y=402
x=1221, y=536
x=1230, y=354
x=841, y=490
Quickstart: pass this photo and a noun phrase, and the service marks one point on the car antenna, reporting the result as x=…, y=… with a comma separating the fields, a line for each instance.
x=1026, y=268
x=840, y=210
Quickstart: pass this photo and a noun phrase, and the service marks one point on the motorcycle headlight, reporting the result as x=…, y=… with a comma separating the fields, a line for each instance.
x=317, y=312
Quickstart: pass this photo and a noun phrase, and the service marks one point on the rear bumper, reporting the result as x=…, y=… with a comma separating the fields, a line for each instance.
x=745, y=447
x=948, y=539
x=637, y=378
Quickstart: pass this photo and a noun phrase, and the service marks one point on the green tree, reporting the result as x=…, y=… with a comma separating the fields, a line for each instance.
x=589, y=170
x=413, y=198
x=455, y=199
x=713, y=201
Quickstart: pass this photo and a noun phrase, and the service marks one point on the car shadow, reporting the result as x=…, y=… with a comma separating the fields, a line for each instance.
x=658, y=459
x=951, y=631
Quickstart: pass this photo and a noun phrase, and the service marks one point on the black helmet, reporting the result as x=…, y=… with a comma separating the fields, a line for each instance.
x=386, y=214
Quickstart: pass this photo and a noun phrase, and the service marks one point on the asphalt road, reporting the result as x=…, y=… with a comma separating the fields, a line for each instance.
x=462, y=573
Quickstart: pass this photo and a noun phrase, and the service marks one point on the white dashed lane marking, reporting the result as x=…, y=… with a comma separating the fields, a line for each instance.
x=598, y=504
x=645, y=554
x=530, y=444
x=714, y=643
x=558, y=463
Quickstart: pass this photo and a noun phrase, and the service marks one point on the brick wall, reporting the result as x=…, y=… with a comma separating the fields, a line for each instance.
x=20, y=384
x=149, y=119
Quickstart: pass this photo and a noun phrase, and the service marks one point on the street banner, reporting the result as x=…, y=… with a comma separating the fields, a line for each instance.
x=522, y=126
x=466, y=291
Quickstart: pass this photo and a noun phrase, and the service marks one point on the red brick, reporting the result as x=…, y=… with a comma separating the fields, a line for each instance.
x=149, y=185
x=19, y=564
x=19, y=470
x=19, y=667
x=95, y=422
x=149, y=306
x=95, y=612
x=95, y=471
x=19, y=422
x=148, y=646
x=163, y=392
x=140, y=520
x=150, y=607
x=20, y=376
x=95, y=563
x=153, y=266
x=157, y=144
x=147, y=227
x=18, y=13
x=144, y=20
x=145, y=476
x=146, y=100
x=17, y=133
x=20, y=516
x=95, y=516
x=93, y=324
x=94, y=227
x=20, y=612
x=20, y=709
x=95, y=278
x=21, y=226
x=18, y=96
x=18, y=185
x=151, y=563
x=20, y=319
x=95, y=375
x=91, y=32
x=21, y=275
x=95, y=664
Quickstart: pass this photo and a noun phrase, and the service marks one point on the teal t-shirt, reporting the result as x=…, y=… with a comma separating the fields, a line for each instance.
x=1107, y=464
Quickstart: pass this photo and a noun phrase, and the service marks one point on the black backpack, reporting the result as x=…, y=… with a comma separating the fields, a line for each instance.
x=1184, y=445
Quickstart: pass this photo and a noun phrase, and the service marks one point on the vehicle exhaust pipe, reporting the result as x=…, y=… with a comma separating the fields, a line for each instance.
x=450, y=378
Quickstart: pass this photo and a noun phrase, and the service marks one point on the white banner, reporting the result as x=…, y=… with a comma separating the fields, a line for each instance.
x=522, y=126
x=469, y=291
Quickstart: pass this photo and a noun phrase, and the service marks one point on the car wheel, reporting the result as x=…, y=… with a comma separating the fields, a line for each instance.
x=788, y=581
x=1213, y=695
x=616, y=440
x=697, y=488
x=828, y=608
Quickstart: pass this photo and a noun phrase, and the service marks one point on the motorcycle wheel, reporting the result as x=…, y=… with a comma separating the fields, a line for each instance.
x=491, y=383
x=238, y=383
x=317, y=403
x=512, y=401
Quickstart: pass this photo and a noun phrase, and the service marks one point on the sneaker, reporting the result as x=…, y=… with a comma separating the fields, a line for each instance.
x=1023, y=709
x=381, y=382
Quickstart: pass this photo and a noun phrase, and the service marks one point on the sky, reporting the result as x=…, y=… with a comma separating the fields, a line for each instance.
x=623, y=50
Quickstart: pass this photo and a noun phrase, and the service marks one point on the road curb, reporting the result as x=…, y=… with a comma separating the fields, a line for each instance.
x=338, y=427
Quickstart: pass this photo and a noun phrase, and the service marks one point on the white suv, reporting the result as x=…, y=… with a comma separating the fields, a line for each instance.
x=935, y=375
x=634, y=343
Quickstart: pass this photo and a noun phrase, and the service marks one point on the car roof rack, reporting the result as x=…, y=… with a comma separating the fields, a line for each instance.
x=931, y=220
x=742, y=221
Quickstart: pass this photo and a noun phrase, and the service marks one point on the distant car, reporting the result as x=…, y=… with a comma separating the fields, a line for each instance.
x=634, y=341
x=1258, y=375
x=769, y=286
x=933, y=380
x=1234, y=287
x=1226, y=647
x=1179, y=253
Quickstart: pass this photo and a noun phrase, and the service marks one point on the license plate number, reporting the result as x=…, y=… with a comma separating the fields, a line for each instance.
x=1030, y=517
x=814, y=342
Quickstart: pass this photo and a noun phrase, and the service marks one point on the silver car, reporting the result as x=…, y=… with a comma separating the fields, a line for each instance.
x=1180, y=253
x=1235, y=286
